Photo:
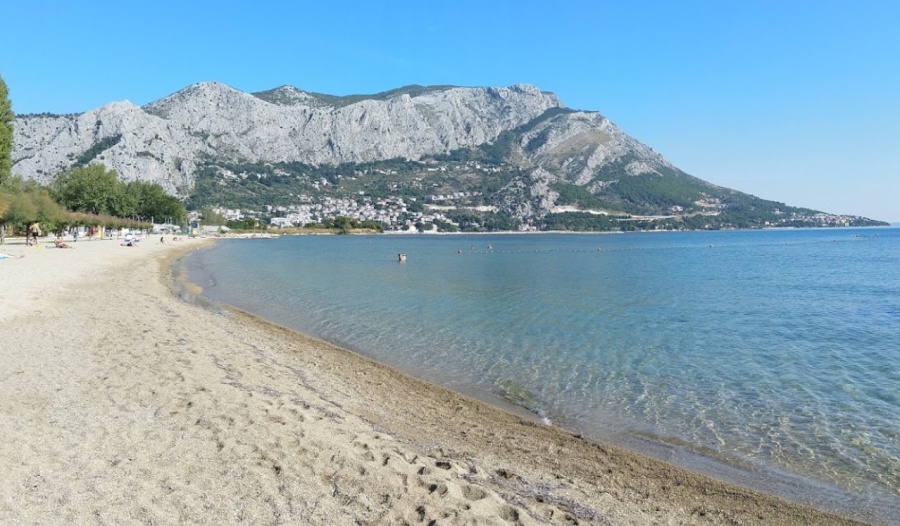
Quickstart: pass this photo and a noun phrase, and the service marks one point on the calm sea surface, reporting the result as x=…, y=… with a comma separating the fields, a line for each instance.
x=766, y=358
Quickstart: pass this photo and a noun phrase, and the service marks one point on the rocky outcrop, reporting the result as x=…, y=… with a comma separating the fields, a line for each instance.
x=121, y=135
x=576, y=147
x=162, y=141
x=580, y=143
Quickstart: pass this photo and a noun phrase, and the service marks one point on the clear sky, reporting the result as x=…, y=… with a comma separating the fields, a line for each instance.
x=792, y=100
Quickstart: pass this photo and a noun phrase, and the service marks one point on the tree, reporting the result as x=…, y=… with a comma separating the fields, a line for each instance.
x=16, y=206
x=150, y=201
x=248, y=223
x=344, y=224
x=92, y=189
x=49, y=212
x=25, y=204
x=6, y=133
x=21, y=210
x=211, y=217
x=6, y=202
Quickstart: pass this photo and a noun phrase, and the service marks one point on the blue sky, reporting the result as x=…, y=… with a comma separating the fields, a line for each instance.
x=796, y=101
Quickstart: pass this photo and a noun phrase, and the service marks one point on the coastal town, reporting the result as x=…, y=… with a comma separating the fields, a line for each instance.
x=457, y=194
x=395, y=214
x=410, y=215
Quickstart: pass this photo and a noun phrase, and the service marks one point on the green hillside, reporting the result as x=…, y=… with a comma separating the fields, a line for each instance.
x=484, y=188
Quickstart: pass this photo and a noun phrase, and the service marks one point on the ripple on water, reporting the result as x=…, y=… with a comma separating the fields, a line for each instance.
x=775, y=350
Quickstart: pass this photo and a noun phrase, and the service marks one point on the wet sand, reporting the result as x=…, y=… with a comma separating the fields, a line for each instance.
x=121, y=403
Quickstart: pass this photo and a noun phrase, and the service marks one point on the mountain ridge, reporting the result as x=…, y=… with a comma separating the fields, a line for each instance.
x=212, y=118
x=533, y=155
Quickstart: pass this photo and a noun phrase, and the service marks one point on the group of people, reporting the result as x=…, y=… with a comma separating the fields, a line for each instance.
x=33, y=232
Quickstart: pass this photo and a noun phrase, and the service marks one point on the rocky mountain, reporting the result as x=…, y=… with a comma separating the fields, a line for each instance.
x=162, y=141
x=518, y=149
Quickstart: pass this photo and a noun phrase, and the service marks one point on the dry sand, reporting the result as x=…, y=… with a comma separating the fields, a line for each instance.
x=122, y=404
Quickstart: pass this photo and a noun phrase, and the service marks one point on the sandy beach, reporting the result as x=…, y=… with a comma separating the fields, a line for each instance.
x=121, y=403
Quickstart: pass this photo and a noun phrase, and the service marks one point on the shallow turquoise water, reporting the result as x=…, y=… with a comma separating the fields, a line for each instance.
x=768, y=358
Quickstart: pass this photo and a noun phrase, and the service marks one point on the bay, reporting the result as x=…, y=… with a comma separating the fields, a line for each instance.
x=766, y=358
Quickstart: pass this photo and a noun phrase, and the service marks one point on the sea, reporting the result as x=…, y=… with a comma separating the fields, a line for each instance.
x=766, y=358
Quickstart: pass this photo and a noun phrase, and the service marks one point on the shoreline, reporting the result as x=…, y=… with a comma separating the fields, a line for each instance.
x=795, y=487
x=127, y=404
x=276, y=233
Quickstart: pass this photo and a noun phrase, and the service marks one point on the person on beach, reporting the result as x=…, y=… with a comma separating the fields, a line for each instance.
x=129, y=239
x=162, y=240
x=59, y=243
x=34, y=231
x=10, y=256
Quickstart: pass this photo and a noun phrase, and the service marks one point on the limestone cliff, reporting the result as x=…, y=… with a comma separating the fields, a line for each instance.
x=162, y=141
